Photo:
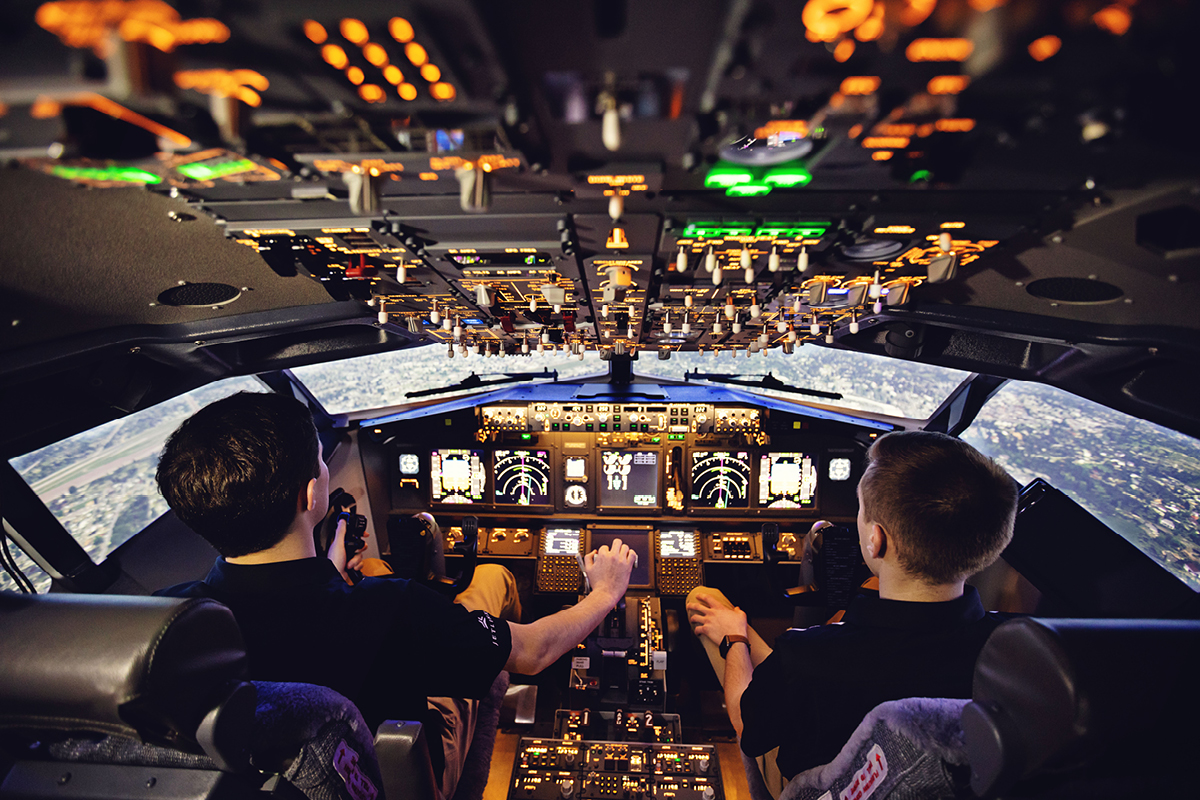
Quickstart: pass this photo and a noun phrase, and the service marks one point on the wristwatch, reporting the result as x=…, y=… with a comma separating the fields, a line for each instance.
x=730, y=641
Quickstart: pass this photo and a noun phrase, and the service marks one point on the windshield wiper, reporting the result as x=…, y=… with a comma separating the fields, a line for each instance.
x=473, y=381
x=767, y=381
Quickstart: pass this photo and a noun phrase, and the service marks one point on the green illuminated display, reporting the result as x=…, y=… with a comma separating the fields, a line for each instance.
x=716, y=230
x=788, y=175
x=920, y=175
x=124, y=174
x=773, y=230
x=723, y=175
x=802, y=230
x=749, y=189
x=208, y=172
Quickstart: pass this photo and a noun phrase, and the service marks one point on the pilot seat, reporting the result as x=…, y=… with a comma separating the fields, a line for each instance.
x=114, y=696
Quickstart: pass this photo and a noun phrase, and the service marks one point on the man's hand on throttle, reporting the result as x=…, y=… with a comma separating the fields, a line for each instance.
x=714, y=620
x=608, y=569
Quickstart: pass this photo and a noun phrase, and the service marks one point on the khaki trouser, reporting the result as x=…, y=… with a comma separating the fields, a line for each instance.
x=759, y=650
x=494, y=590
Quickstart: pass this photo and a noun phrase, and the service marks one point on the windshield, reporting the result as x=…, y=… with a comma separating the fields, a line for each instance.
x=386, y=379
x=1139, y=478
x=100, y=483
x=875, y=384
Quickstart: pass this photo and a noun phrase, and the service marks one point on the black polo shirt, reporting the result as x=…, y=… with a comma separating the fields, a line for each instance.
x=386, y=643
x=810, y=694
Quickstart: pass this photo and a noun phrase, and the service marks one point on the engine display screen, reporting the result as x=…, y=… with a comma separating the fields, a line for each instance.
x=677, y=544
x=638, y=541
x=522, y=477
x=720, y=479
x=787, y=480
x=629, y=479
x=561, y=542
x=457, y=476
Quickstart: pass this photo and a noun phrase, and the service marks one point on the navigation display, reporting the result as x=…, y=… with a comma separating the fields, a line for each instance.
x=522, y=477
x=720, y=479
x=787, y=480
x=638, y=541
x=677, y=544
x=561, y=542
x=629, y=479
x=457, y=476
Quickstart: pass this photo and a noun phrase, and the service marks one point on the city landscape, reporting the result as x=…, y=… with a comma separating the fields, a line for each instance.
x=1139, y=478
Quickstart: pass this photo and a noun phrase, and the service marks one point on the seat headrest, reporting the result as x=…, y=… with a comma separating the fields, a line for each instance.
x=1055, y=693
x=146, y=666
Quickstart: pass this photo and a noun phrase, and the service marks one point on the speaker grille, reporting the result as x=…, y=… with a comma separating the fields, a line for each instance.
x=196, y=295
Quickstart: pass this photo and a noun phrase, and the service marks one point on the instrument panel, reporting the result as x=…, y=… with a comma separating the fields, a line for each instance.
x=671, y=459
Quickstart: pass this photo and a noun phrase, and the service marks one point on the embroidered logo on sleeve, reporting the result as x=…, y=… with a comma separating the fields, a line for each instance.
x=345, y=761
x=489, y=624
x=867, y=779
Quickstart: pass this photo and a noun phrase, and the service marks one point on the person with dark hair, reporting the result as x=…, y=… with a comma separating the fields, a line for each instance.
x=932, y=512
x=247, y=473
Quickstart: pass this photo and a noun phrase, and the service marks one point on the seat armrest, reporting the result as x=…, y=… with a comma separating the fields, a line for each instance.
x=404, y=765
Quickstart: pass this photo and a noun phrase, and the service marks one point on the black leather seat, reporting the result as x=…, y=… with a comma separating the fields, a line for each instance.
x=1085, y=708
x=104, y=696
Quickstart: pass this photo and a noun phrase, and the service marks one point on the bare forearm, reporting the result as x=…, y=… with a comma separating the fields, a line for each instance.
x=739, y=670
x=539, y=644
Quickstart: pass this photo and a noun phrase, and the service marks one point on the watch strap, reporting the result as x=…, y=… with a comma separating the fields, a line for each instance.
x=730, y=641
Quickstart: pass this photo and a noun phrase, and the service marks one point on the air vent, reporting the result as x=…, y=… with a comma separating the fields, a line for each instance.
x=1170, y=232
x=199, y=295
x=1074, y=290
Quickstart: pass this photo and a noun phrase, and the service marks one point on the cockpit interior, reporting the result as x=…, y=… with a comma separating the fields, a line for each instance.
x=559, y=273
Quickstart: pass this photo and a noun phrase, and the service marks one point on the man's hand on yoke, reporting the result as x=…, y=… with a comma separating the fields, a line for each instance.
x=608, y=569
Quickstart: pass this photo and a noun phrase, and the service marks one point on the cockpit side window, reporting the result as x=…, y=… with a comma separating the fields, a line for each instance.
x=100, y=483
x=1140, y=479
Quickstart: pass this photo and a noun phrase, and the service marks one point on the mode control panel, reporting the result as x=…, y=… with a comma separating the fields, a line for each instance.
x=614, y=770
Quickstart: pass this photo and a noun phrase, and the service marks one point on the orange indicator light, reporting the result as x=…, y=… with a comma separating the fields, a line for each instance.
x=401, y=30
x=860, y=85
x=896, y=129
x=315, y=31
x=45, y=108
x=407, y=91
x=987, y=5
x=889, y=142
x=375, y=54
x=872, y=29
x=1115, y=19
x=948, y=84
x=431, y=73
x=392, y=74
x=355, y=75
x=775, y=126
x=416, y=54
x=843, y=51
x=939, y=50
x=354, y=31
x=954, y=225
x=372, y=94
x=897, y=229
x=428, y=176
x=1045, y=47
x=855, y=131
x=914, y=12
x=954, y=125
x=442, y=91
x=828, y=19
x=334, y=56
x=881, y=155
x=225, y=83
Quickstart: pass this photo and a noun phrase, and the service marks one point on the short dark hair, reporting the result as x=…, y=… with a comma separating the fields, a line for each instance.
x=233, y=471
x=948, y=507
